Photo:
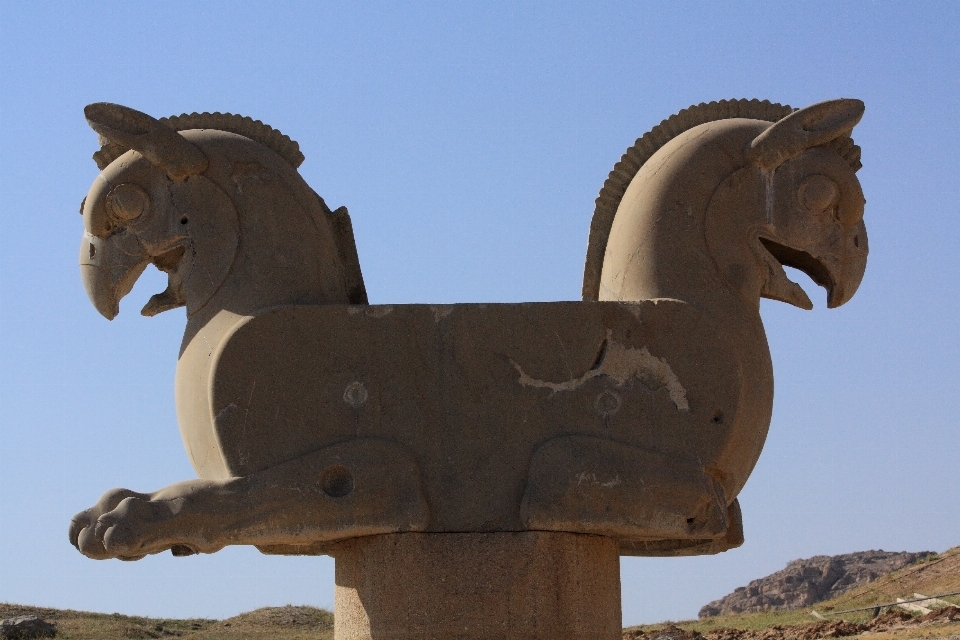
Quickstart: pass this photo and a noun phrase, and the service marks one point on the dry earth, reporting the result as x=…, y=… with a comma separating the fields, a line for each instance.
x=933, y=575
x=940, y=574
x=282, y=623
x=943, y=623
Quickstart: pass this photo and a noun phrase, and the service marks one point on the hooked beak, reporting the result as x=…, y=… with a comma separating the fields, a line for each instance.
x=109, y=267
x=847, y=272
x=838, y=271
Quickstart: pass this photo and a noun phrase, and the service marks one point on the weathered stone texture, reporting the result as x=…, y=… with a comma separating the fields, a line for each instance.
x=523, y=586
x=807, y=581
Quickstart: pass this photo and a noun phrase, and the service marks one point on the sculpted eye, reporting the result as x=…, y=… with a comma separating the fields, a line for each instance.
x=818, y=193
x=127, y=202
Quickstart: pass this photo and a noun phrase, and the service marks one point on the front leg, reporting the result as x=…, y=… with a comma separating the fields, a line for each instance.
x=361, y=487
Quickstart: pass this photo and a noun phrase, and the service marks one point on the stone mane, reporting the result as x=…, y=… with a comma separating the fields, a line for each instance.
x=245, y=126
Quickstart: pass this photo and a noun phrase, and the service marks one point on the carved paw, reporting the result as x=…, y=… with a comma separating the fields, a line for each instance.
x=363, y=487
x=87, y=533
x=128, y=525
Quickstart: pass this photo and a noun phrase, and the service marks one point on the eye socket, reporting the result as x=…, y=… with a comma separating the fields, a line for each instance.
x=127, y=202
x=818, y=193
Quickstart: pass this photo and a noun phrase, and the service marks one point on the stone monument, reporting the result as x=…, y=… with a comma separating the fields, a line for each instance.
x=476, y=470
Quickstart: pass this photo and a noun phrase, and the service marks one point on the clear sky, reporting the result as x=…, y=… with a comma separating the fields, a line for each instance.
x=469, y=141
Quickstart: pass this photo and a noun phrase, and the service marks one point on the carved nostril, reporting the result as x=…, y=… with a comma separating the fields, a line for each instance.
x=856, y=241
x=337, y=481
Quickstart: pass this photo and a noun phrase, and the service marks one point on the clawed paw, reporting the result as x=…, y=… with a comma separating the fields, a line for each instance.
x=124, y=524
x=87, y=533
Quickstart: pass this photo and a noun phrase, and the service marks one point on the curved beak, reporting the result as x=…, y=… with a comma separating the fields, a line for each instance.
x=847, y=271
x=109, y=267
x=838, y=268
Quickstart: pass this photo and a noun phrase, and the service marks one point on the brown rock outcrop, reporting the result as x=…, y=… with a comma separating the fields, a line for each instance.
x=805, y=582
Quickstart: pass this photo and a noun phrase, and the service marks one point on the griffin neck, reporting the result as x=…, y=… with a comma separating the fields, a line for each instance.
x=284, y=251
x=661, y=245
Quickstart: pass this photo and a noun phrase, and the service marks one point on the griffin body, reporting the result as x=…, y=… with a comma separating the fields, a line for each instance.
x=311, y=417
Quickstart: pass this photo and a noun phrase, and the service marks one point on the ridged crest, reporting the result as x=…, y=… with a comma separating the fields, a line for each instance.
x=241, y=125
x=626, y=169
x=846, y=148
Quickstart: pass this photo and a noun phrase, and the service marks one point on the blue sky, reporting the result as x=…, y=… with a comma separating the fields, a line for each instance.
x=469, y=142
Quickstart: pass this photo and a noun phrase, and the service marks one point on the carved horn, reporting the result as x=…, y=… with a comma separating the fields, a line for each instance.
x=808, y=127
x=159, y=144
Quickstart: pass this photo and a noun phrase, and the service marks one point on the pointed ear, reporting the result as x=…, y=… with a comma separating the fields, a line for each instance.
x=809, y=127
x=159, y=144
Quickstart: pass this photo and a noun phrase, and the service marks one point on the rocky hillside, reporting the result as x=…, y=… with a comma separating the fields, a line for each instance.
x=805, y=582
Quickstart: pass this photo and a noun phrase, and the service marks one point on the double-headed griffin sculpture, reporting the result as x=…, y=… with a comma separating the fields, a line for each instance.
x=313, y=418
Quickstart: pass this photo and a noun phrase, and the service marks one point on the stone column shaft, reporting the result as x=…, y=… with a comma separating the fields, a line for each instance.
x=529, y=585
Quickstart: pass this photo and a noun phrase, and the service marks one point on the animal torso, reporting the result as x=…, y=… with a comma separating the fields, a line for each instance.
x=472, y=391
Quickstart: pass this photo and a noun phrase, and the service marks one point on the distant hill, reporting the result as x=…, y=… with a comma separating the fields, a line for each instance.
x=932, y=575
x=851, y=614
x=269, y=623
x=806, y=582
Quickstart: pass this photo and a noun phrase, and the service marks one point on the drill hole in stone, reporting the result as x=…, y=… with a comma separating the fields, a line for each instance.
x=355, y=394
x=337, y=481
x=182, y=550
x=184, y=220
x=607, y=403
x=717, y=417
